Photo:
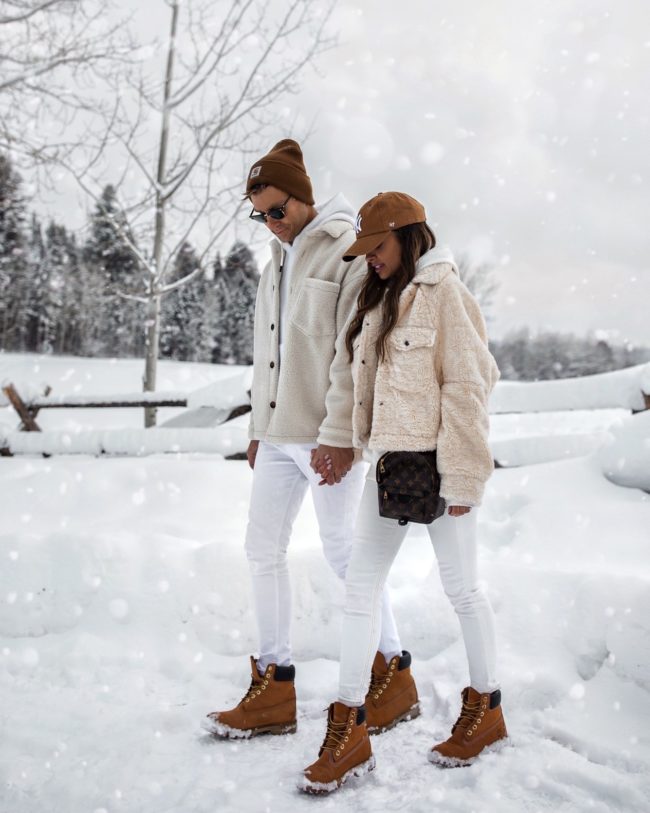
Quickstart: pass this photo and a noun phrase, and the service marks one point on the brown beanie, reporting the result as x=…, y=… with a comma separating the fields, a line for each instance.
x=284, y=168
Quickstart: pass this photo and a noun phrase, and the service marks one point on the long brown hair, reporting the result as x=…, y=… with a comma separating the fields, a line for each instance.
x=415, y=240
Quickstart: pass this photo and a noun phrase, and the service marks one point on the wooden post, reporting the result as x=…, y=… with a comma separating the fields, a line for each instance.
x=26, y=416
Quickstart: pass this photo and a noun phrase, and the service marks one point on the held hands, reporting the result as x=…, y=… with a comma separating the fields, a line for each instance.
x=332, y=463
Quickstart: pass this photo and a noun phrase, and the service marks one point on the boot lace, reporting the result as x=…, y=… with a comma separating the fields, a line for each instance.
x=378, y=682
x=256, y=687
x=468, y=714
x=334, y=736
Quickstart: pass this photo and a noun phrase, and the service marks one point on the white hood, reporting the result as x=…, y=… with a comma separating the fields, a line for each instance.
x=335, y=210
x=435, y=265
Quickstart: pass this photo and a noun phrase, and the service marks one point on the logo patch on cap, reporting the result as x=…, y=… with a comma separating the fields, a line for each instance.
x=357, y=225
x=255, y=171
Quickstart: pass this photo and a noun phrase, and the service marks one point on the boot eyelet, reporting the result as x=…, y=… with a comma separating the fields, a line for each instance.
x=482, y=714
x=469, y=733
x=258, y=692
x=338, y=753
x=376, y=696
x=478, y=722
x=346, y=739
x=381, y=691
x=474, y=727
x=248, y=700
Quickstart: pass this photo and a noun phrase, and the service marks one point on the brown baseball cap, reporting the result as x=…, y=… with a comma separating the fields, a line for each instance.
x=382, y=214
x=283, y=166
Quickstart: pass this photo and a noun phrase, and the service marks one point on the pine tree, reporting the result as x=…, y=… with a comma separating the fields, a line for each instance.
x=32, y=290
x=182, y=309
x=13, y=260
x=108, y=254
x=210, y=313
x=243, y=276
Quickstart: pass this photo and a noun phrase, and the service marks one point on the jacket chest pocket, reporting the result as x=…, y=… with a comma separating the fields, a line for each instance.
x=314, y=312
x=411, y=358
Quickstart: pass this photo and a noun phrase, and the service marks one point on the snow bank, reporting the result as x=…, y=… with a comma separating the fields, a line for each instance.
x=224, y=440
x=231, y=391
x=622, y=388
x=125, y=616
x=625, y=455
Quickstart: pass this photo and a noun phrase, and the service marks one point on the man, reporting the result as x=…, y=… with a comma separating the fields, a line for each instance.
x=302, y=396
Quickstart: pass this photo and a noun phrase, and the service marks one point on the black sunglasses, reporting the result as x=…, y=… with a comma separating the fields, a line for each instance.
x=276, y=213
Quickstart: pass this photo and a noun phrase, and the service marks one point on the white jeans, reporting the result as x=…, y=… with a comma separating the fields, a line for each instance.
x=376, y=543
x=281, y=477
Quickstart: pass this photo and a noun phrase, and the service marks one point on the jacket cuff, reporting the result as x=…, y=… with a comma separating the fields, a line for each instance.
x=330, y=436
x=457, y=489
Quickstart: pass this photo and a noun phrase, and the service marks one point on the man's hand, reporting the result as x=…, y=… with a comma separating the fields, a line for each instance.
x=332, y=463
x=251, y=452
x=458, y=510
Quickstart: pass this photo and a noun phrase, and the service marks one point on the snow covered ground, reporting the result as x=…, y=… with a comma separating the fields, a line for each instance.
x=125, y=617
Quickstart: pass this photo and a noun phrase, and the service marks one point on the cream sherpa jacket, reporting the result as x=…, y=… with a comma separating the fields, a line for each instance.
x=308, y=396
x=431, y=391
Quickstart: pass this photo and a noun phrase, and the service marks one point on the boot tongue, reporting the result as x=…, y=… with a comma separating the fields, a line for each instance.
x=471, y=695
x=339, y=713
x=379, y=665
x=257, y=678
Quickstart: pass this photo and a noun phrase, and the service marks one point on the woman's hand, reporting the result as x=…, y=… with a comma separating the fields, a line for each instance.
x=331, y=463
x=458, y=510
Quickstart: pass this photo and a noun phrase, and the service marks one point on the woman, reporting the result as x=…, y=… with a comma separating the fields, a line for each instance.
x=422, y=376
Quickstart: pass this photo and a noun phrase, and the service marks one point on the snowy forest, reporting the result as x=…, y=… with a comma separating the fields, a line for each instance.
x=62, y=295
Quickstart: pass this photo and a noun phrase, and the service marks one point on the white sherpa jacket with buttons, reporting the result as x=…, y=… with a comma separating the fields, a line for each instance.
x=432, y=389
x=307, y=397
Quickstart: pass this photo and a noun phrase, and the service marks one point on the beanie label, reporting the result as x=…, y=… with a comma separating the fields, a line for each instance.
x=256, y=171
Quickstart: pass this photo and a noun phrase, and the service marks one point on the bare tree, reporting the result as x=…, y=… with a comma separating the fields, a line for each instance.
x=216, y=100
x=479, y=278
x=53, y=56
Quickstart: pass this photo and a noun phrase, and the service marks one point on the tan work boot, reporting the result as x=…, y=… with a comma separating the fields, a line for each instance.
x=345, y=751
x=392, y=696
x=268, y=707
x=480, y=724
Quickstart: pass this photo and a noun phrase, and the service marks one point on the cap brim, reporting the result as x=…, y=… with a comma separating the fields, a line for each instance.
x=365, y=244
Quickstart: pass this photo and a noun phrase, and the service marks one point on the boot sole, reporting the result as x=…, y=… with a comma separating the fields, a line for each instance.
x=225, y=732
x=411, y=714
x=442, y=761
x=323, y=788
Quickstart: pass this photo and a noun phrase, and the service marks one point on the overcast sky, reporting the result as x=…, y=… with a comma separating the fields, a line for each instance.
x=522, y=126
x=524, y=129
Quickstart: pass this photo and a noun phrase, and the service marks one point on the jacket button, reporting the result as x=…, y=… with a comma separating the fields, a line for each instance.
x=407, y=343
x=272, y=365
x=272, y=327
x=363, y=361
x=360, y=403
x=272, y=404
